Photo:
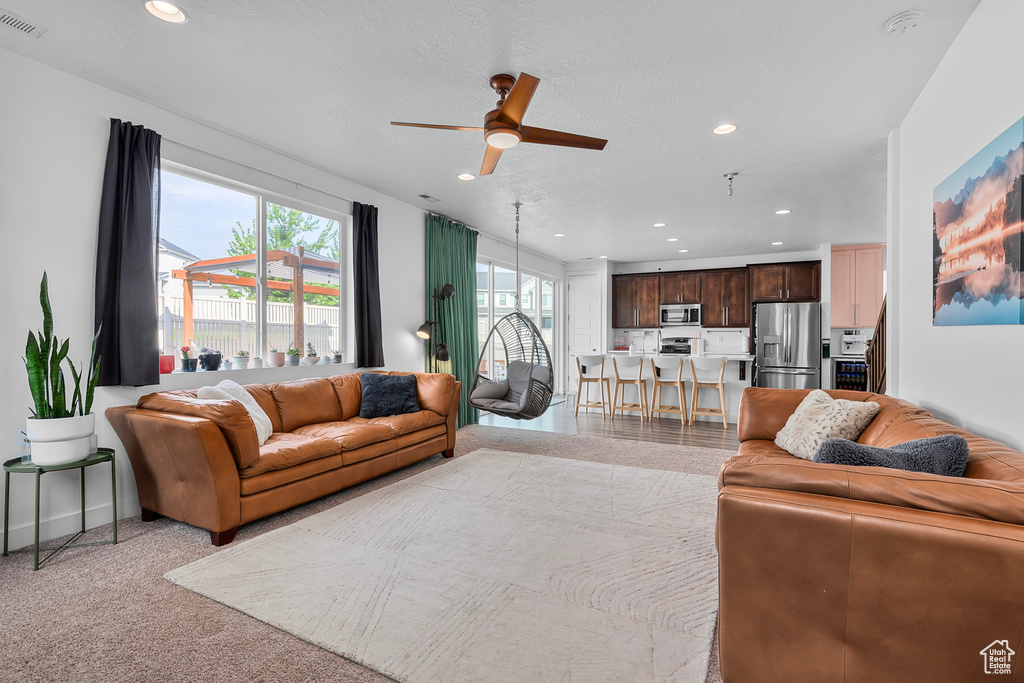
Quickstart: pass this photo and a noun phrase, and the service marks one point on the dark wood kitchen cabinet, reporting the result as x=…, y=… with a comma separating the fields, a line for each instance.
x=635, y=300
x=680, y=288
x=725, y=298
x=786, y=281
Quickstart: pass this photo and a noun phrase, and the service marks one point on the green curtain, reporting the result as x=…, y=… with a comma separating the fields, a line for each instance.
x=451, y=257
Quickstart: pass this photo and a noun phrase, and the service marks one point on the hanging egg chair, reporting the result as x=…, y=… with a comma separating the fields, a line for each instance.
x=526, y=391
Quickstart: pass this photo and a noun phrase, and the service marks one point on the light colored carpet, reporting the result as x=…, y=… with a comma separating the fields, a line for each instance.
x=501, y=566
x=105, y=613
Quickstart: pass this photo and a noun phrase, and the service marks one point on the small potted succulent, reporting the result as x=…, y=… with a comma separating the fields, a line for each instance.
x=275, y=359
x=339, y=357
x=209, y=360
x=240, y=360
x=293, y=355
x=188, y=359
x=256, y=362
x=311, y=355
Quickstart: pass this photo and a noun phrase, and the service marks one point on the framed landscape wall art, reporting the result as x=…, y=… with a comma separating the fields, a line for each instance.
x=976, y=237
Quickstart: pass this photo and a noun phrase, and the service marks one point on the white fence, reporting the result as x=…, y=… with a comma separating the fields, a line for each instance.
x=229, y=325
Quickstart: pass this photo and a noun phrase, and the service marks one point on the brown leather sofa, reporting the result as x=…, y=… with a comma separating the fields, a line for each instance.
x=200, y=462
x=838, y=573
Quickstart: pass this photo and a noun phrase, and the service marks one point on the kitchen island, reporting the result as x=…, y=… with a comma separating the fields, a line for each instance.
x=736, y=380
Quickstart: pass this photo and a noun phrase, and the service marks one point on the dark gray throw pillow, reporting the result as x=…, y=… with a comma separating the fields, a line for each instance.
x=946, y=455
x=385, y=395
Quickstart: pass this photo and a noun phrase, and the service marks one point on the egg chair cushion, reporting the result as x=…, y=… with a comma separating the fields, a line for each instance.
x=489, y=389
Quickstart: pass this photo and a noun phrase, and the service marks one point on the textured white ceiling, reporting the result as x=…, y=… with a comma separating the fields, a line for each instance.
x=814, y=85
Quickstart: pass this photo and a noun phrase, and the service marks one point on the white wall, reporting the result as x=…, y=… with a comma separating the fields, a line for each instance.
x=54, y=137
x=970, y=376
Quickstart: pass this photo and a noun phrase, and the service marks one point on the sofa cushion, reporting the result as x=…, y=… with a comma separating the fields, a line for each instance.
x=1002, y=501
x=283, y=450
x=265, y=398
x=232, y=419
x=348, y=389
x=305, y=401
x=819, y=417
x=348, y=435
x=387, y=395
x=404, y=424
x=229, y=390
x=944, y=455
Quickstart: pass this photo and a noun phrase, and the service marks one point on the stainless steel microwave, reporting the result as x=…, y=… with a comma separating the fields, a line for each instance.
x=680, y=314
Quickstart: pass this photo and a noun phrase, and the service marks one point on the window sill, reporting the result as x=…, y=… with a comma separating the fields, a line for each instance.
x=264, y=375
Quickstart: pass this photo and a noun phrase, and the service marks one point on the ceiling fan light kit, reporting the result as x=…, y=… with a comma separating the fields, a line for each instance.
x=503, y=126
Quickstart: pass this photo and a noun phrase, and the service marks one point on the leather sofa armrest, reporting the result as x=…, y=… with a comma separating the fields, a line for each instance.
x=183, y=466
x=816, y=588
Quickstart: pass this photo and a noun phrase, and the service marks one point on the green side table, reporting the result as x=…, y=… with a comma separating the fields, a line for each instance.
x=17, y=466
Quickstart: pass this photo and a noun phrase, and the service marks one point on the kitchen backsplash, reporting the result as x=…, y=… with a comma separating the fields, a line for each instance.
x=715, y=341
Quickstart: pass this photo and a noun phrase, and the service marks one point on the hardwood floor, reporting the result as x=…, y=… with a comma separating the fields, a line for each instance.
x=560, y=419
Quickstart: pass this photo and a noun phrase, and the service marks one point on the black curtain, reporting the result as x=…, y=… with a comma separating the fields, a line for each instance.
x=369, y=335
x=126, y=258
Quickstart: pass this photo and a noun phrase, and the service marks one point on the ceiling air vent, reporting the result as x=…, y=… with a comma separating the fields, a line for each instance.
x=429, y=198
x=19, y=24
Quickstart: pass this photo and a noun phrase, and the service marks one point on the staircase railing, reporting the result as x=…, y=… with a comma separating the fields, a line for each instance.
x=876, y=355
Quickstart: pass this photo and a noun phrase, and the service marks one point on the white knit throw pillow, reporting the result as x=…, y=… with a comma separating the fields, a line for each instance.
x=820, y=417
x=228, y=390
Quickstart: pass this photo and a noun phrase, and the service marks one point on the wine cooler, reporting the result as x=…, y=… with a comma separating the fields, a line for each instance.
x=850, y=375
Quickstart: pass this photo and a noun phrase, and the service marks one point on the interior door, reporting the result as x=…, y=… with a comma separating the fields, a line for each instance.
x=584, y=321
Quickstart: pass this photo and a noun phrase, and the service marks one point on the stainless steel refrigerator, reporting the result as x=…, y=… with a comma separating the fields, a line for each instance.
x=788, y=354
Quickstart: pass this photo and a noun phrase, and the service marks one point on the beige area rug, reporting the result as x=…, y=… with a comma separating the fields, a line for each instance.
x=498, y=566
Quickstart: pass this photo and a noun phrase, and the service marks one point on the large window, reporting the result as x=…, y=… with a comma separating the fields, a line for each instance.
x=497, y=284
x=241, y=270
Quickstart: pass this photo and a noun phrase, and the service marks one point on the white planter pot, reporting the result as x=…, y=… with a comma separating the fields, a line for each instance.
x=256, y=363
x=60, y=441
x=239, y=362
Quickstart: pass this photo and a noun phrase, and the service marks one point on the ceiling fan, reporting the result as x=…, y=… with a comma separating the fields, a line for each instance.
x=503, y=127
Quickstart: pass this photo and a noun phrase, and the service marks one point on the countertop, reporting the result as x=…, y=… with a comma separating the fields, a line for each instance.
x=727, y=356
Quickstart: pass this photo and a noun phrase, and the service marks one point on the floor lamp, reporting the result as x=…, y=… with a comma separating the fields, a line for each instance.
x=431, y=329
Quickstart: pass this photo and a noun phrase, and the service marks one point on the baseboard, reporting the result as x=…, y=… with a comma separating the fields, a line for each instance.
x=20, y=536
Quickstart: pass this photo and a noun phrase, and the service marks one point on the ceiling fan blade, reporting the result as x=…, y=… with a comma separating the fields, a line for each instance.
x=491, y=157
x=543, y=136
x=434, y=125
x=517, y=100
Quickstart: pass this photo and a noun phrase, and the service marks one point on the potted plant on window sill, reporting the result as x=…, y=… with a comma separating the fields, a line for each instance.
x=188, y=363
x=59, y=435
x=311, y=355
x=293, y=357
x=240, y=360
x=275, y=359
x=256, y=362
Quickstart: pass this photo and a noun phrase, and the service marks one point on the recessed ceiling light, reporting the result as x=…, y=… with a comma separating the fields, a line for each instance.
x=683, y=251
x=776, y=244
x=165, y=11
x=659, y=225
x=559, y=234
x=602, y=257
x=467, y=176
x=724, y=129
x=782, y=212
x=673, y=239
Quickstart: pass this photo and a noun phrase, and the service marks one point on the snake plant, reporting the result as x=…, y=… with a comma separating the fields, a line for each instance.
x=44, y=355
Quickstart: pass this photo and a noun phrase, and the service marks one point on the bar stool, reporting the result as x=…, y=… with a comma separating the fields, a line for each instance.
x=704, y=376
x=628, y=365
x=668, y=372
x=591, y=371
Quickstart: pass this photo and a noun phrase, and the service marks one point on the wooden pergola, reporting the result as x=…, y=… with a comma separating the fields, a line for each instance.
x=294, y=268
